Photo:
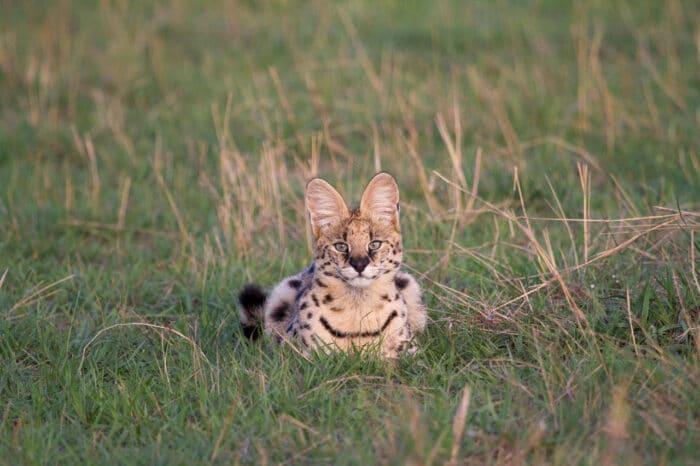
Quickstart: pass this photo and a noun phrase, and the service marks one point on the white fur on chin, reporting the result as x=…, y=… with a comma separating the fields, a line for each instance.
x=360, y=282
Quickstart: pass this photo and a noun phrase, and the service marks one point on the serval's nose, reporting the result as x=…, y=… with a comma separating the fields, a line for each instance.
x=359, y=263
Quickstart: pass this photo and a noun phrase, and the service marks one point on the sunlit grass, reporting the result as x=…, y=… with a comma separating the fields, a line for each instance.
x=153, y=159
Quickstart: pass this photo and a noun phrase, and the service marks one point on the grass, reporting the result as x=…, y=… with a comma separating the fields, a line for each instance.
x=152, y=161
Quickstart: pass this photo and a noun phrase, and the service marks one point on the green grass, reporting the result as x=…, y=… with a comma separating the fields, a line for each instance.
x=153, y=159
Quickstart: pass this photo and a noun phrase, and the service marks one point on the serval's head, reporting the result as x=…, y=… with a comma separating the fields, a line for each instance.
x=361, y=245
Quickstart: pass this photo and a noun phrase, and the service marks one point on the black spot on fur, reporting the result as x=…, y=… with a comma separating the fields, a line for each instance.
x=251, y=331
x=306, y=326
x=252, y=296
x=303, y=305
x=294, y=283
x=327, y=299
x=391, y=317
x=401, y=282
x=369, y=333
x=252, y=299
x=336, y=309
x=315, y=299
x=310, y=315
x=386, y=298
x=280, y=312
x=396, y=297
x=320, y=283
x=336, y=333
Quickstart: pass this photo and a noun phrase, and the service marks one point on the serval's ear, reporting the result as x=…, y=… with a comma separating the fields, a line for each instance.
x=325, y=205
x=380, y=201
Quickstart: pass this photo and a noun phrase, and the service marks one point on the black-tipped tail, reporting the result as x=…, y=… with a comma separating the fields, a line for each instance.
x=252, y=299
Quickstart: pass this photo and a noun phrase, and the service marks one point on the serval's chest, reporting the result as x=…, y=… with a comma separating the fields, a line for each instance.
x=336, y=316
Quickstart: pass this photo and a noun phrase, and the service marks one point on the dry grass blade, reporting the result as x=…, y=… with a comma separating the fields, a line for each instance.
x=586, y=189
x=222, y=432
x=36, y=295
x=617, y=424
x=629, y=319
x=433, y=204
x=2, y=279
x=454, y=148
x=458, y=423
x=544, y=253
x=95, y=183
x=608, y=103
x=612, y=221
x=280, y=93
x=692, y=262
x=124, y=203
x=580, y=151
x=157, y=170
x=560, y=210
x=547, y=257
x=475, y=181
x=287, y=418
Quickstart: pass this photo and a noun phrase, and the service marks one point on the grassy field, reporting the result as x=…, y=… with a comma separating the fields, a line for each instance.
x=153, y=159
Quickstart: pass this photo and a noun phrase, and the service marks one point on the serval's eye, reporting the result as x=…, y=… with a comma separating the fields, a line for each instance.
x=341, y=247
x=374, y=245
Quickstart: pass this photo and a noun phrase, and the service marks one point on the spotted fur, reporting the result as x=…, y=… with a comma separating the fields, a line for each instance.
x=353, y=295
